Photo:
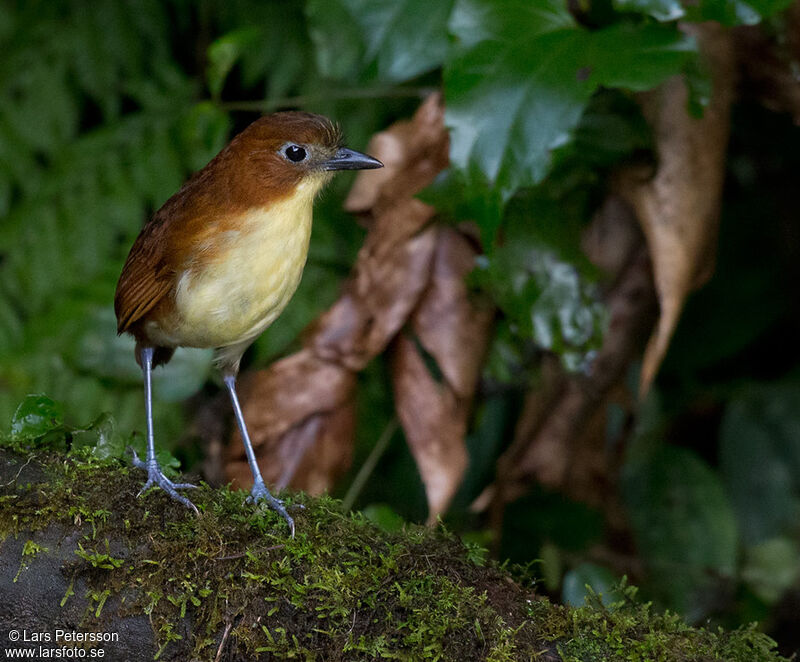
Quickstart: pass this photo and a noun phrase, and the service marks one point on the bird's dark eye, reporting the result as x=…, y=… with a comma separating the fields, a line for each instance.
x=295, y=153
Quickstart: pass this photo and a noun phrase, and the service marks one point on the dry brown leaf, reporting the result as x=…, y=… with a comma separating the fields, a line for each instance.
x=332, y=453
x=391, y=273
x=449, y=323
x=679, y=207
x=393, y=266
x=434, y=422
x=295, y=387
x=290, y=463
x=611, y=238
x=453, y=328
x=416, y=151
x=391, y=148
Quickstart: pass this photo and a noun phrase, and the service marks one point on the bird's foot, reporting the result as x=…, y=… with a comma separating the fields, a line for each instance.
x=156, y=477
x=261, y=493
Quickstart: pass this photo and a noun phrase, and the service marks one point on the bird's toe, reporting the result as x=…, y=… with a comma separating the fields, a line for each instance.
x=260, y=493
x=156, y=478
x=137, y=462
x=184, y=486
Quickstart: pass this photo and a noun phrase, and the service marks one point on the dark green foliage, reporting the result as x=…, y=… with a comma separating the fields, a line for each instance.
x=36, y=416
x=99, y=126
x=538, y=49
x=684, y=526
x=760, y=458
x=387, y=40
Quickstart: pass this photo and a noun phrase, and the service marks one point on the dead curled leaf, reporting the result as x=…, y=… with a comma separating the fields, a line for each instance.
x=300, y=410
x=391, y=148
x=391, y=272
x=451, y=323
x=434, y=421
x=679, y=207
x=453, y=328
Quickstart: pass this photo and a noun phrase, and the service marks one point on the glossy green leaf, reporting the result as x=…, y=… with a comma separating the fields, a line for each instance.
x=760, y=459
x=400, y=39
x=612, y=128
x=522, y=74
x=36, y=416
x=534, y=279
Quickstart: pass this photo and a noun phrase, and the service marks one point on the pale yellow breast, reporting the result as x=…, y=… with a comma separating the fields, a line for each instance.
x=255, y=270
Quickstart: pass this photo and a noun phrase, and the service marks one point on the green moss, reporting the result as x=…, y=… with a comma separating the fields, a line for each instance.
x=29, y=552
x=341, y=590
x=629, y=631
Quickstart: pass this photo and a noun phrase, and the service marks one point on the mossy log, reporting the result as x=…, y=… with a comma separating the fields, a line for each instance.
x=80, y=553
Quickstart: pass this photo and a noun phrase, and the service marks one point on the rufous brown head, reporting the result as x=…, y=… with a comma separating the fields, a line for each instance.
x=288, y=147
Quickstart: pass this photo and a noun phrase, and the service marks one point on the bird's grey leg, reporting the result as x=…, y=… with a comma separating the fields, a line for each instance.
x=154, y=474
x=259, y=491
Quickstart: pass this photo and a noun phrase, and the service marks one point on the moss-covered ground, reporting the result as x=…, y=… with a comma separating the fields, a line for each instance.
x=342, y=589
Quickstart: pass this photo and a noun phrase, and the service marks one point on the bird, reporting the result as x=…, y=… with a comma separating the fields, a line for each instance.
x=220, y=260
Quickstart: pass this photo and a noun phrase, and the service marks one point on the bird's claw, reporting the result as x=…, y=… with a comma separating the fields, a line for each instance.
x=155, y=477
x=261, y=493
